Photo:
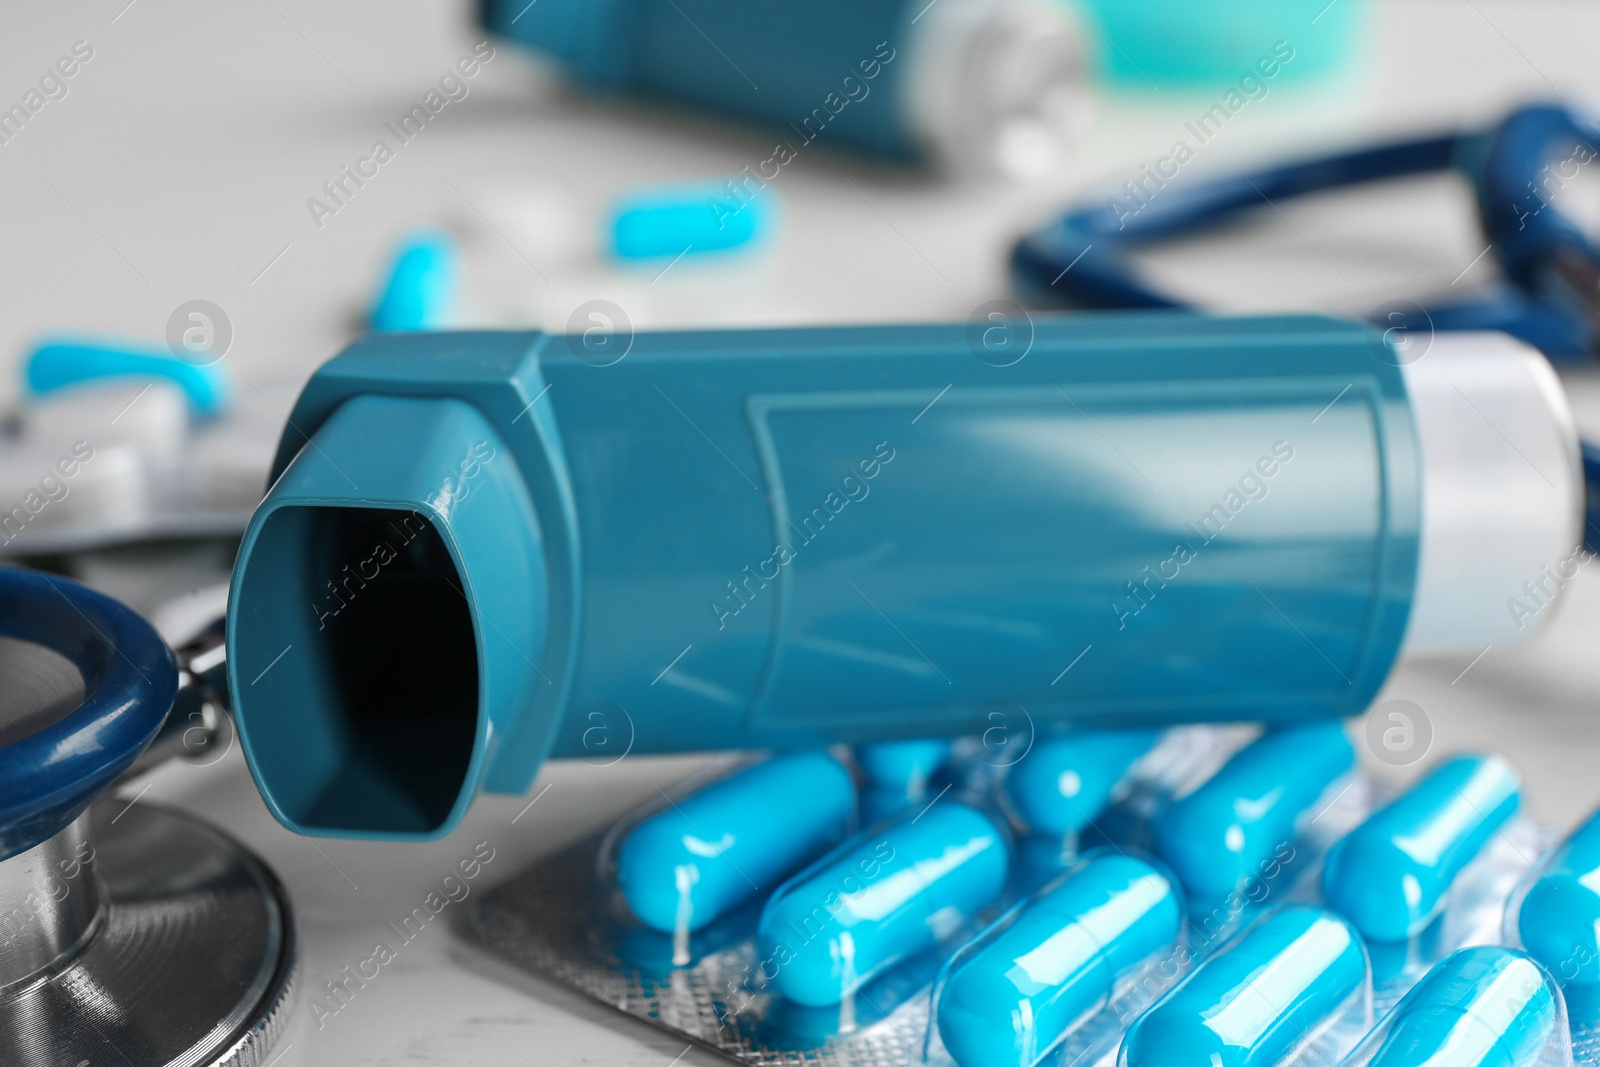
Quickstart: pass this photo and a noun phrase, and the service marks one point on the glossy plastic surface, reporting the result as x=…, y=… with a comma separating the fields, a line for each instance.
x=1289, y=973
x=1392, y=874
x=705, y=853
x=60, y=362
x=48, y=776
x=1481, y=1007
x=419, y=292
x=1228, y=830
x=885, y=895
x=1063, y=783
x=1009, y=998
x=1559, y=921
x=791, y=538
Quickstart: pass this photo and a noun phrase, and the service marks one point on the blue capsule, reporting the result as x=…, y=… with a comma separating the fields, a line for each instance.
x=1559, y=923
x=1391, y=875
x=882, y=897
x=907, y=765
x=898, y=774
x=1479, y=1007
x=1013, y=998
x=1286, y=975
x=1065, y=782
x=419, y=293
x=1232, y=829
x=667, y=222
x=703, y=855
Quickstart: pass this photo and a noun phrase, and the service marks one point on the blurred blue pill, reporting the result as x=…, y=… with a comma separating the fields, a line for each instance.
x=708, y=852
x=1481, y=1006
x=56, y=363
x=1021, y=991
x=1392, y=874
x=898, y=774
x=1040, y=858
x=1286, y=975
x=884, y=896
x=1063, y=784
x=1243, y=820
x=690, y=219
x=879, y=803
x=1559, y=922
x=419, y=293
x=904, y=765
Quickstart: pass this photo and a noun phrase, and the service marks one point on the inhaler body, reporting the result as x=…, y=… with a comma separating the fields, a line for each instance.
x=483, y=550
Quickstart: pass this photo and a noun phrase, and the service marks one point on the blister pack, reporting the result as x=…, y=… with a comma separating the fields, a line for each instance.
x=1217, y=896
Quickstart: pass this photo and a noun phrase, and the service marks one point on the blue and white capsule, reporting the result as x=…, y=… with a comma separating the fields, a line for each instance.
x=709, y=852
x=1064, y=783
x=1559, y=921
x=1236, y=825
x=1288, y=975
x=1481, y=1007
x=885, y=895
x=1391, y=876
x=1021, y=987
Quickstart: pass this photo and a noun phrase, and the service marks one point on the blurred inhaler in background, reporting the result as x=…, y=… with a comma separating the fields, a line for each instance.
x=978, y=86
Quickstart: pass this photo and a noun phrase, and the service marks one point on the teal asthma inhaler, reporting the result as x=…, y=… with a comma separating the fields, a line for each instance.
x=483, y=550
x=987, y=86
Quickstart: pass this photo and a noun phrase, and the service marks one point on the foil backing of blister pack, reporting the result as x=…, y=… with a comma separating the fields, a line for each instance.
x=1585, y=1018
x=541, y=920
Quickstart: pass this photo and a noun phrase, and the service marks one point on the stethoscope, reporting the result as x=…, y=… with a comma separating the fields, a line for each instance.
x=1551, y=297
x=133, y=933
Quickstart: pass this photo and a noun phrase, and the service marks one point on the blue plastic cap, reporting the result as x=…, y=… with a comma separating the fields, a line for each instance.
x=1151, y=45
x=52, y=764
x=56, y=363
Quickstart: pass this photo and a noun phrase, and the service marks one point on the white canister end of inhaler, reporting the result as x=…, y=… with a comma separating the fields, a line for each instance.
x=1502, y=493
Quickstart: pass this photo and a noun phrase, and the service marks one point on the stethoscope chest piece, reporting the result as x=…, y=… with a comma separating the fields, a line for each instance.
x=129, y=934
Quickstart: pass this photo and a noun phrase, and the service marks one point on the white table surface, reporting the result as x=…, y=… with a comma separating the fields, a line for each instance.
x=179, y=165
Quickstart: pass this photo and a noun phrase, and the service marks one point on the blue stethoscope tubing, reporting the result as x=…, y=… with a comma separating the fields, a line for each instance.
x=48, y=777
x=1551, y=267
